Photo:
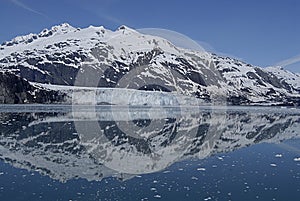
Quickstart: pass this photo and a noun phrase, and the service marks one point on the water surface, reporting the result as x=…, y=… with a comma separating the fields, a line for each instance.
x=58, y=152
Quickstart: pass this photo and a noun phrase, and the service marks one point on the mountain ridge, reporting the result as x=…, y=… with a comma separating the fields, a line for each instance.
x=125, y=58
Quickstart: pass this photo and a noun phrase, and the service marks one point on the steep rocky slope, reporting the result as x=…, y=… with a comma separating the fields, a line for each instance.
x=125, y=58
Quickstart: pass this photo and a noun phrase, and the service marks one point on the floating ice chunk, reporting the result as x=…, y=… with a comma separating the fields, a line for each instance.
x=273, y=165
x=278, y=155
x=201, y=169
x=157, y=196
x=187, y=188
x=297, y=159
x=220, y=158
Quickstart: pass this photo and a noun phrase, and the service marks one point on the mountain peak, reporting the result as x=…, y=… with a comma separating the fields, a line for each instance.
x=55, y=56
x=125, y=29
x=26, y=39
x=122, y=27
x=63, y=28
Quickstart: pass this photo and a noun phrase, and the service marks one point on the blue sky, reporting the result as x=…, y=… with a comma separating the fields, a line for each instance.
x=260, y=32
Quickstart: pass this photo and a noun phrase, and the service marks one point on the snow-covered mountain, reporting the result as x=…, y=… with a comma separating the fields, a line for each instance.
x=113, y=142
x=125, y=58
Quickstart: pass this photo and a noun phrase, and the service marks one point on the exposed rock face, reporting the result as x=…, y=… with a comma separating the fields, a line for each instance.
x=16, y=90
x=126, y=58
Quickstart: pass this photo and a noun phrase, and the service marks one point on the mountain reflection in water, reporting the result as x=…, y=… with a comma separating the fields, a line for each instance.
x=67, y=142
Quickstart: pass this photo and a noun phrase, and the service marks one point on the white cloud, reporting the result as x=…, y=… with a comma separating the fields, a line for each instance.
x=24, y=6
x=289, y=61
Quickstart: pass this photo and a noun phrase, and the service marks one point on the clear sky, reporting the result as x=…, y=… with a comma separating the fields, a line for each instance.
x=260, y=32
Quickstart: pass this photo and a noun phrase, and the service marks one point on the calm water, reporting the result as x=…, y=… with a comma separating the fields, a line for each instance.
x=121, y=153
